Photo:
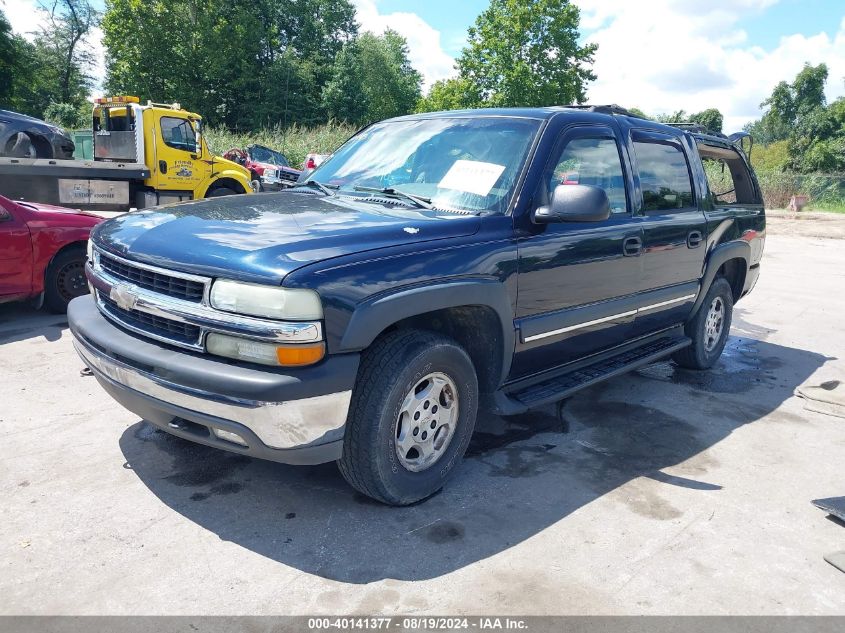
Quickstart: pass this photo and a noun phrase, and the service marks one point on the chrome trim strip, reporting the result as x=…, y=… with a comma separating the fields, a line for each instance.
x=206, y=317
x=285, y=424
x=578, y=326
x=666, y=303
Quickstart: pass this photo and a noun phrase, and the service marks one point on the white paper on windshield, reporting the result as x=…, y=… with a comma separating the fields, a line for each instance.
x=472, y=176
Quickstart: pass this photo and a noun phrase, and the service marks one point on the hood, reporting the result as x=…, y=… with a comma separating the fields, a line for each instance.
x=50, y=215
x=263, y=237
x=226, y=163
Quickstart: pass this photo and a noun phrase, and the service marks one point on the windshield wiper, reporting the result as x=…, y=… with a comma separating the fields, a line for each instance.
x=420, y=201
x=314, y=184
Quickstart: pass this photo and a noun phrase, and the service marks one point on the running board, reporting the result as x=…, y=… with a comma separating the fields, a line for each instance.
x=564, y=385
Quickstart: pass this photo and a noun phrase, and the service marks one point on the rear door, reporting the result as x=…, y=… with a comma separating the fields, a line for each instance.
x=15, y=251
x=674, y=229
x=578, y=280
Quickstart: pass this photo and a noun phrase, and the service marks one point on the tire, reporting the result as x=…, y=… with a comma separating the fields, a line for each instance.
x=221, y=191
x=20, y=146
x=707, y=343
x=377, y=460
x=65, y=280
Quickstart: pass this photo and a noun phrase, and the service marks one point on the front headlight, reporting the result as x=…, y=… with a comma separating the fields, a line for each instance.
x=262, y=300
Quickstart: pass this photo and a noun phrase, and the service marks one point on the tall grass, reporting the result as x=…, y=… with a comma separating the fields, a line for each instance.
x=294, y=142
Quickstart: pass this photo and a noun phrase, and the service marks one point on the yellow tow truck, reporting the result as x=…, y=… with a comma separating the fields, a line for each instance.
x=144, y=156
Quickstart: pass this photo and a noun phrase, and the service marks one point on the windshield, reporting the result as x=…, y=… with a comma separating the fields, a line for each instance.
x=458, y=164
x=264, y=155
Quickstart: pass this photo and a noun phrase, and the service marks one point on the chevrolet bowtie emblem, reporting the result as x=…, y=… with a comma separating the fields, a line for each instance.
x=123, y=296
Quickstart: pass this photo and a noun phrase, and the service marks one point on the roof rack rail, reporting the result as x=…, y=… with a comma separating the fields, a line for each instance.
x=696, y=128
x=611, y=108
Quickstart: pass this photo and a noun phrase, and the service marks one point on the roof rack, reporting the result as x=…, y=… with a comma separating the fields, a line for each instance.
x=605, y=109
x=696, y=128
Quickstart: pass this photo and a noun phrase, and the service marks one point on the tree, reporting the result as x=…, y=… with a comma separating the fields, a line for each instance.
x=241, y=63
x=710, y=119
x=68, y=23
x=9, y=59
x=449, y=94
x=372, y=80
x=526, y=53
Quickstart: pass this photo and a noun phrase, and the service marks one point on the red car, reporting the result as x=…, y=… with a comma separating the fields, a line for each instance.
x=42, y=250
x=269, y=168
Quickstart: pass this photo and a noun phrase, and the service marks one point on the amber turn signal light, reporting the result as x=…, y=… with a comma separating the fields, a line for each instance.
x=298, y=355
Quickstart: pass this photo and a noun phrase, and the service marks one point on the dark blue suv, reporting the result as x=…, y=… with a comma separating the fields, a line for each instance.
x=436, y=265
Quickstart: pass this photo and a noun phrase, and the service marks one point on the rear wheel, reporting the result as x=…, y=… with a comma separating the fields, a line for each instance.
x=709, y=328
x=411, y=417
x=65, y=280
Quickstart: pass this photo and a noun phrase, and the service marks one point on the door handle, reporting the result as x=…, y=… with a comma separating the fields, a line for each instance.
x=162, y=166
x=694, y=239
x=632, y=246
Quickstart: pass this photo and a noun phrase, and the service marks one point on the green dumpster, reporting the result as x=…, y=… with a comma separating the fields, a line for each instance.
x=83, y=141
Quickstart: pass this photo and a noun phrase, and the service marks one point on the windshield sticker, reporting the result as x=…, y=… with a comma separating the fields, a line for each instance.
x=472, y=176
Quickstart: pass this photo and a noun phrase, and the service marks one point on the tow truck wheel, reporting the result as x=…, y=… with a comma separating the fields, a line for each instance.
x=221, y=191
x=65, y=280
x=709, y=328
x=411, y=417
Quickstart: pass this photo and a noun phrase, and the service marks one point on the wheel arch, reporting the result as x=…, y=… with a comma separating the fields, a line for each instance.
x=731, y=260
x=477, y=314
x=231, y=181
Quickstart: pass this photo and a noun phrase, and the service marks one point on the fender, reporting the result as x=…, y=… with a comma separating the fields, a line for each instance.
x=730, y=250
x=232, y=174
x=373, y=316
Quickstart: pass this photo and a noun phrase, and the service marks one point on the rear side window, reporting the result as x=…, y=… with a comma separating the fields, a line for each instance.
x=664, y=176
x=728, y=177
x=592, y=161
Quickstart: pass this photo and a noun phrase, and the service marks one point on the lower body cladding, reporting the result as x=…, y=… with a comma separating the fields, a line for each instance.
x=296, y=417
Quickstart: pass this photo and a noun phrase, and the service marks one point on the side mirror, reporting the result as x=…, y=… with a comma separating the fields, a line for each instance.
x=575, y=203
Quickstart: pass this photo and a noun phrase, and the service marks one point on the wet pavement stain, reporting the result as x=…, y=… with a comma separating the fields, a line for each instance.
x=739, y=370
x=444, y=532
x=523, y=461
x=227, y=488
x=516, y=429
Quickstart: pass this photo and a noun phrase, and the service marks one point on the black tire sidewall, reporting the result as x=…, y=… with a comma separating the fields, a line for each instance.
x=219, y=192
x=704, y=359
x=53, y=299
x=401, y=484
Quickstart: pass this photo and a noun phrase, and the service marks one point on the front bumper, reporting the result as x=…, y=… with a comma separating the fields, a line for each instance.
x=294, y=417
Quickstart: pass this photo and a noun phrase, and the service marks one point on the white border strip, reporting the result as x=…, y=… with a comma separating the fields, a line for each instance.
x=612, y=317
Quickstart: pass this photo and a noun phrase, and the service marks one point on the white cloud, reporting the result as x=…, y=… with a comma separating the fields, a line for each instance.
x=693, y=58
x=424, y=47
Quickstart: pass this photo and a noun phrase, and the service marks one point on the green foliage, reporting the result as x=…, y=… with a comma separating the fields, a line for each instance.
x=9, y=59
x=372, y=79
x=63, y=114
x=449, y=94
x=54, y=66
x=773, y=157
x=240, y=63
x=711, y=119
x=520, y=53
x=294, y=142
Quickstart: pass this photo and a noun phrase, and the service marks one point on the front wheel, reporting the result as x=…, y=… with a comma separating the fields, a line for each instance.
x=221, y=191
x=709, y=328
x=65, y=280
x=411, y=418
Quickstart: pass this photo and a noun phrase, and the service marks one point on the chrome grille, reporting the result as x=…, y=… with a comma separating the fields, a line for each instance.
x=172, y=286
x=157, y=326
x=286, y=175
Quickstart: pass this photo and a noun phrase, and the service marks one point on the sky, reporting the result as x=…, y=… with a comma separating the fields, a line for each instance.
x=657, y=55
